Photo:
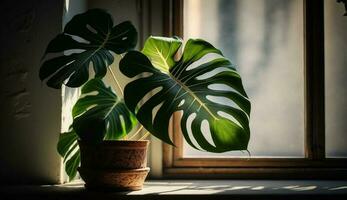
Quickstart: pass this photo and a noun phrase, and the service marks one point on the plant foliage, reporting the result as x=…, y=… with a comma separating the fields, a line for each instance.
x=186, y=85
x=91, y=38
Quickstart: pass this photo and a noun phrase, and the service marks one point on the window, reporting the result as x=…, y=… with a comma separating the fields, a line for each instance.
x=269, y=57
x=279, y=48
x=335, y=80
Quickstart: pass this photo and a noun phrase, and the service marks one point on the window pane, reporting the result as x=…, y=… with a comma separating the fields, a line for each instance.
x=264, y=38
x=335, y=79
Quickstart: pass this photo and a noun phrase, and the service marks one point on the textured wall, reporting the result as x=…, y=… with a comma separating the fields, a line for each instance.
x=30, y=112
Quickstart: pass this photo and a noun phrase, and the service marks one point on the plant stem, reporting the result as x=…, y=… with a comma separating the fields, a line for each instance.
x=122, y=92
x=137, y=132
x=144, y=136
x=115, y=80
x=119, y=87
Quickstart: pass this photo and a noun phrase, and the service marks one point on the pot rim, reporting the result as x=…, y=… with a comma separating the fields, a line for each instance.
x=120, y=143
x=145, y=169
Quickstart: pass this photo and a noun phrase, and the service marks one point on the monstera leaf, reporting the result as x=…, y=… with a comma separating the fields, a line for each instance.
x=92, y=37
x=68, y=149
x=163, y=86
x=100, y=102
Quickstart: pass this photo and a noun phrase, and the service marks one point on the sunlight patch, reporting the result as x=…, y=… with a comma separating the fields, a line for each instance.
x=79, y=39
x=221, y=87
x=229, y=117
x=190, y=120
x=92, y=93
x=206, y=132
x=181, y=103
x=213, y=73
x=75, y=148
x=206, y=58
x=142, y=75
x=91, y=29
x=223, y=101
x=148, y=96
x=122, y=122
x=71, y=51
x=155, y=111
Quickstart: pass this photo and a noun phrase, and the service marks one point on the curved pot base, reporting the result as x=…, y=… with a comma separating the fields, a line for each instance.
x=114, y=180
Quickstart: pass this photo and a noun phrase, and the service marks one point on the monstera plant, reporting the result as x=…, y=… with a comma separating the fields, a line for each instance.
x=162, y=82
x=186, y=85
x=89, y=39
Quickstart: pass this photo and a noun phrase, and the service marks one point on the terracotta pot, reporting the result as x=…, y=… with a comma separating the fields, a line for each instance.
x=116, y=165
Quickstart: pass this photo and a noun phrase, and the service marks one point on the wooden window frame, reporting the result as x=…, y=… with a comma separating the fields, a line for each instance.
x=313, y=165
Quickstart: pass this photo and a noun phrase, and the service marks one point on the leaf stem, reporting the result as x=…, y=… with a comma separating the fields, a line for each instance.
x=116, y=81
x=137, y=132
x=144, y=136
x=122, y=92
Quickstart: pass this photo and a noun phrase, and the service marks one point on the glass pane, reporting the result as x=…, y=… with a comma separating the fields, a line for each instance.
x=264, y=38
x=335, y=79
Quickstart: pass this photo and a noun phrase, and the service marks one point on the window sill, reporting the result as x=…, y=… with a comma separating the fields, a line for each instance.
x=196, y=189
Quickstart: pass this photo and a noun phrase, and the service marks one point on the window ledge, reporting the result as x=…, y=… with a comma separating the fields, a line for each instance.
x=197, y=189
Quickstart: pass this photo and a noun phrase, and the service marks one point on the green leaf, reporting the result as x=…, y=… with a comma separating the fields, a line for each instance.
x=162, y=51
x=98, y=39
x=66, y=140
x=68, y=149
x=100, y=102
x=187, y=87
x=72, y=164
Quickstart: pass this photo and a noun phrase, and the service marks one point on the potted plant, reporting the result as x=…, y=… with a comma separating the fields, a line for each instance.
x=96, y=140
x=100, y=117
x=160, y=86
